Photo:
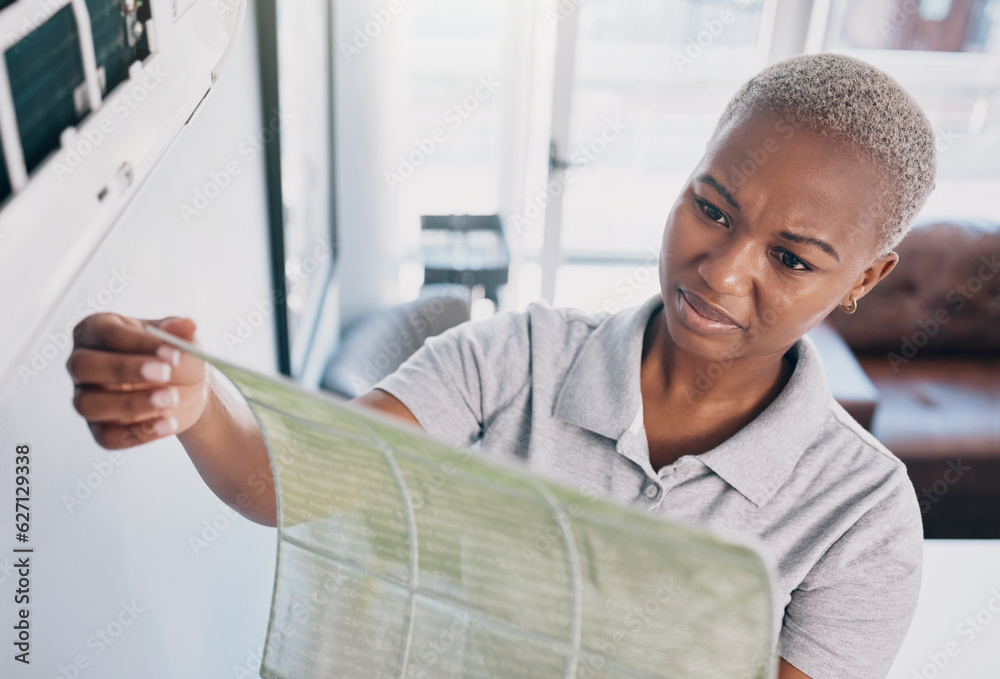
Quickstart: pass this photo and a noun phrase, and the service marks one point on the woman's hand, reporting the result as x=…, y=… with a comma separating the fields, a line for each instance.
x=131, y=387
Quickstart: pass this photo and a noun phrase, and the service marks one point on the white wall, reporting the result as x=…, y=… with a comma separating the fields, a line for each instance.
x=129, y=540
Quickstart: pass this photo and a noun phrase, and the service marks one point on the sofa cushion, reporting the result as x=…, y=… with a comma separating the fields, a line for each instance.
x=942, y=297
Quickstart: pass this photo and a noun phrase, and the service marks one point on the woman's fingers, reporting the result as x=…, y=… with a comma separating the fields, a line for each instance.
x=130, y=386
x=114, y=354
x=114, y=332
x=125, y=407
x=107, y=368
x=118, y=436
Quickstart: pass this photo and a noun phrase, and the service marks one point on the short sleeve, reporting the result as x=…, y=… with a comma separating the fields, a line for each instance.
x=457, y=379
x=851, y=612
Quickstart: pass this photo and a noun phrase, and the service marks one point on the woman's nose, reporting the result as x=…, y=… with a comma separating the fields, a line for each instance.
x=728, y=268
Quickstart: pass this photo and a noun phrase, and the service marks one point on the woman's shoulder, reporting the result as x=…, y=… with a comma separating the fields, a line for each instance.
x=836, y=435
x=541, y=312
x=852, y=430
x=538, y=325
x=870, y=477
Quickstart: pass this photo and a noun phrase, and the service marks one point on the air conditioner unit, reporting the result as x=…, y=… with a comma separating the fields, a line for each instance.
x=92, y=95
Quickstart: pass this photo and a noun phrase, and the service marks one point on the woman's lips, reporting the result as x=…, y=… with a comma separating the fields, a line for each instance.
x=702, y=318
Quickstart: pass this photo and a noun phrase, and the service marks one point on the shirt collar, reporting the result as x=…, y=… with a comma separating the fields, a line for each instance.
x=601, y=393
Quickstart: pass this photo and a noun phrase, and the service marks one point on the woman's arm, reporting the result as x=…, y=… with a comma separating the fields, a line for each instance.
x=385, y=402
x=787, y=671
x=132, y=388
x=228, y=450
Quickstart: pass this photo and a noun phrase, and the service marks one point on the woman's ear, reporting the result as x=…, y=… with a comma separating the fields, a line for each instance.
x=876, y=271
x=881, y=267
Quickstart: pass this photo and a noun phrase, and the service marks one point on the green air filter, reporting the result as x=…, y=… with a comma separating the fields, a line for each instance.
x=400, y=556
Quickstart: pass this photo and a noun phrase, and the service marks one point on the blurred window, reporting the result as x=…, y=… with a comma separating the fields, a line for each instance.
x=662, y=71
x=947, y=55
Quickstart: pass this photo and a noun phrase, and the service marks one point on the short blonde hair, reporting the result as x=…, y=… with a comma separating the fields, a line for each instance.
x=851, y=100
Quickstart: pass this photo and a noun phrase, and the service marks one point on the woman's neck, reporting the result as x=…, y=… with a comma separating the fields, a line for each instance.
x=675, y=378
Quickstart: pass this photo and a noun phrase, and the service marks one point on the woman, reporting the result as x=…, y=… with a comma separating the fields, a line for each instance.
x=706, y=403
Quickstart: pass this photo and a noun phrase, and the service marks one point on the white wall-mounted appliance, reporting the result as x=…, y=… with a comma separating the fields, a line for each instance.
x=92, y=95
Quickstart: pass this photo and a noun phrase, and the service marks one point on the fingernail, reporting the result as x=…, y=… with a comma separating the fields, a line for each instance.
x=165, y=426
x=155, y=371
x=169, y=354
x=165, y=398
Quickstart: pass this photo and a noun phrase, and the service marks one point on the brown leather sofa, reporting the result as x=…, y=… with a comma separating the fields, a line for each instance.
x=928, y=336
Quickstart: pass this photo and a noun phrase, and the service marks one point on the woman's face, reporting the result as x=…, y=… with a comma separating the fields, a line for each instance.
x=775, y=227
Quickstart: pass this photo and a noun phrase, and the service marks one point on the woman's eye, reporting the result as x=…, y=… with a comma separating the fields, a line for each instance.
x=712, y=212
x=792, y=262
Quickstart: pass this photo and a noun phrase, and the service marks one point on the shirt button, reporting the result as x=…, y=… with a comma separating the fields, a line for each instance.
x=651, y=491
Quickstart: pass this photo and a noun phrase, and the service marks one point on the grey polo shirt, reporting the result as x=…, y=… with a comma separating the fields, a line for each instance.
x=559, y=390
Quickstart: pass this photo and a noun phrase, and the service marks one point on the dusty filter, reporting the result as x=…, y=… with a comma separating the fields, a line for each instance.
x=399, y=556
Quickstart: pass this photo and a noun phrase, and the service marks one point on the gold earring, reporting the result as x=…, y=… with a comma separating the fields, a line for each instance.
x=852, y=307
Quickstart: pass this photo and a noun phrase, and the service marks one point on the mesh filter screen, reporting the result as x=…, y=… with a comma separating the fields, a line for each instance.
x=401, y=557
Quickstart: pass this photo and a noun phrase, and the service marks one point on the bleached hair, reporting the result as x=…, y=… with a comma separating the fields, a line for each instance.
x=851, y=100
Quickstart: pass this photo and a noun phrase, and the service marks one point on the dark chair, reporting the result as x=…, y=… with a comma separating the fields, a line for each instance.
x=375, y=345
